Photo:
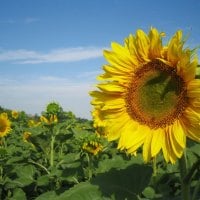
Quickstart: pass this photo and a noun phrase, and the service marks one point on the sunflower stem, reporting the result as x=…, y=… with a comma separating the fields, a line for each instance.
x=185, y=185
x=154, y=166
x=4, y=143
x=89, y=166
x=52, y=151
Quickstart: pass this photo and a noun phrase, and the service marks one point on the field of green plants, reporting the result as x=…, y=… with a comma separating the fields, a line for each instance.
x=57, y=156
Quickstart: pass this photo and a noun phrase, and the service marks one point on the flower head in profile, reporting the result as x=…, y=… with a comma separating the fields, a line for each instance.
x=149, y=96
x=52, y=119
x=26, y=136
x=93, y=147
x=92, y=144
x=5, y=125
x=33, y=123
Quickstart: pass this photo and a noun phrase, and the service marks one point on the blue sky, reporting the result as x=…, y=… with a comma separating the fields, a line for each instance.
x=51, y=50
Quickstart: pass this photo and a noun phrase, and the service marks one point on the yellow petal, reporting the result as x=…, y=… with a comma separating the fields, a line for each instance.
x=179, y=133
x=130, y=45
x=147, y=146
x=155, y=43
x=113, y=104
x=193, y=133
x=142, y=46
x=123, y=53
x=117, y=60
x=114, y=126
x=111, y=87
x=140, y=136
x=156, y=143
x=192, y=127
x=192, y=115
x=175, y=48
x=131, y=135
x=186, y=67
x=116, y=70
x=193, y=89
x=165, y=147
x=171, y=155
x=177, y=149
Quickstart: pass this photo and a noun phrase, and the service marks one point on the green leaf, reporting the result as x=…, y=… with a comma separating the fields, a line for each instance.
x=149, y=192
x=43, y=180
x=18, y=193
x=196, y=149
x=23, y=181
x=124, y=183
x=14, y=160
x=71, y=157
x=82, y=191
x=3, y=152
x=116, y=162
x=51, y=195
x=24, y=175
x=26, y=172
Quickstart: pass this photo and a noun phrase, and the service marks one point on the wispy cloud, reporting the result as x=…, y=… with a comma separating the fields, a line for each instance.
x=89, y=74
x=27, y=20
x=30, y=20
x=23, y=56
x=7, y=21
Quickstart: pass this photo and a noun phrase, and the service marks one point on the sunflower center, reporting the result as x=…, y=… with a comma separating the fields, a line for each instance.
x=156, y=95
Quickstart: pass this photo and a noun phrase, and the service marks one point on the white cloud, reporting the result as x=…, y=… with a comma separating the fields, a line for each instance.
x=32, y=96
x=23, y=56
x=30, y=20
x=89, y=74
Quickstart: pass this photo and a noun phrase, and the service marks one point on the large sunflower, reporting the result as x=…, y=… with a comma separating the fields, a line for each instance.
x=5, y=125
x=148, y=95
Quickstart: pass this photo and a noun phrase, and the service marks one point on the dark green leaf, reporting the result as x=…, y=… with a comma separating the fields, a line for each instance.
x=124, y=183
x=43, y=180
x=82, y=191
x=116, y=162
x=51, y=195
x=18, y=193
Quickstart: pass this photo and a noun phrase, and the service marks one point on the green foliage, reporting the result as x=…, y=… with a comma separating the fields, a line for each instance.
x=124, y=183
x=83, y=191
x=50, y=163
x=53, y=108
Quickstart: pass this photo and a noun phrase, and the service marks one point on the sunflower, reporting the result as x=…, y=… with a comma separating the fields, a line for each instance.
x=148, y=96
x=92, y=147
x=26, y=136
x=14, y=114
x=32, y=123
x=52, y=119
x=5, y=125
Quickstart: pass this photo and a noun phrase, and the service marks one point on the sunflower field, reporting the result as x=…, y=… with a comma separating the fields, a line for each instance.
x=143, y=140
x=59, y=156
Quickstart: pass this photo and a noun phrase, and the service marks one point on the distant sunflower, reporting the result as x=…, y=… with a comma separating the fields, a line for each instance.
x=26, y=136
x=52, y=119
x=14, y=114
x=148, y=95
x=92, y=147
x=5, y=125
x=32, y=123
